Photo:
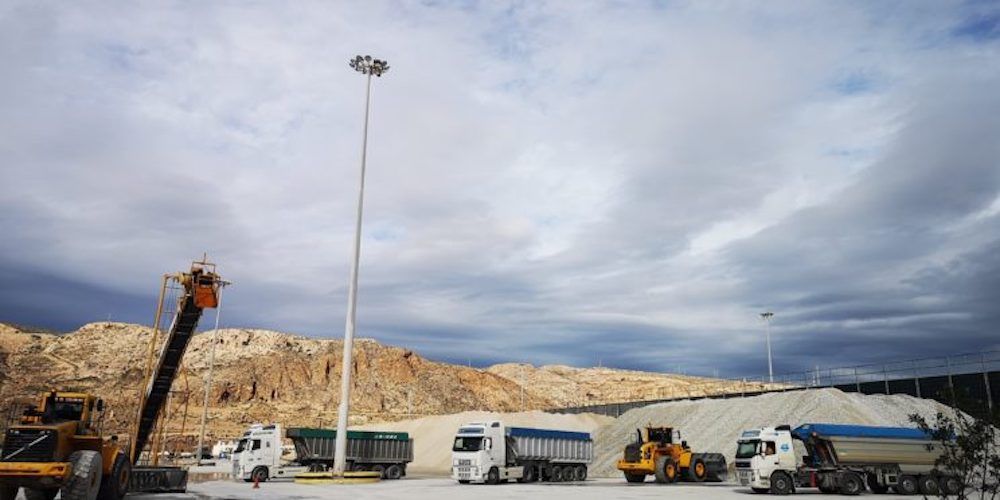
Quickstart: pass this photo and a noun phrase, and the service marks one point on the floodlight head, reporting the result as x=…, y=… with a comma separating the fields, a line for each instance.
x=368, y=66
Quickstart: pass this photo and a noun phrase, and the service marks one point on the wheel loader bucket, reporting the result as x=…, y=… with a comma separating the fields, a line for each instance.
x=716, y=468
x=158, y=480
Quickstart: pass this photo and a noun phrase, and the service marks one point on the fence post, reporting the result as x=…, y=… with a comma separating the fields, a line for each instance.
x=986, y=383
x=885, y=378
x=857, y=382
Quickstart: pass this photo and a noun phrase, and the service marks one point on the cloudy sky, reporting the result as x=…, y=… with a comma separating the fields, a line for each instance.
x=625, y=183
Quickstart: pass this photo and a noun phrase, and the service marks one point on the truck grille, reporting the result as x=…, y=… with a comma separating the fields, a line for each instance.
x=633, y=452
x=16, y=439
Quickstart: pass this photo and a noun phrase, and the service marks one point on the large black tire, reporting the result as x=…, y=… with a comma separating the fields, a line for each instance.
x=530, y=474
x=827, y=489
x=851, y=483
x=46, y=494
x=581, y=473
x=393, y=471
x=635, y=478
x=115, y=485
x=781, y=483
x=259, y=475
x=665, y=470
x=928, y=486
x=907, y=485
x=8, y=492
x=85, y=480
x=950, y=485
x=493, y=476
x=556, y=474
x=697, y=471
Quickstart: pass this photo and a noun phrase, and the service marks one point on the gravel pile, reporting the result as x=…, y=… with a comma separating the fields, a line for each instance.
x=715, y=425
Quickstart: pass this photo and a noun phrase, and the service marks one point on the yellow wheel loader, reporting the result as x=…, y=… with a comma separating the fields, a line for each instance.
x=661, y=453
x=57, y=447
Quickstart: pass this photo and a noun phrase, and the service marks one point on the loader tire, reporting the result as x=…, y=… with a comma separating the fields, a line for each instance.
x=85, y=479
x=8, y=492
x=40, y=494
x=115, y=485
x=697, y=471
x=666, y=470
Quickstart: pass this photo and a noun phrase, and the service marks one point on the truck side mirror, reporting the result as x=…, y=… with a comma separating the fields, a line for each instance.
x=488, y=443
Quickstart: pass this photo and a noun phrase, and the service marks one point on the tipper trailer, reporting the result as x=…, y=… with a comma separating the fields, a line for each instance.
x=257, y=456
x=842, y=458
x=490, y=452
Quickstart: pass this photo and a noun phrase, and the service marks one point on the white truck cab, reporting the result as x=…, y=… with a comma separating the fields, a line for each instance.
x=761, y=452
x=258, y=455
x=479, y=454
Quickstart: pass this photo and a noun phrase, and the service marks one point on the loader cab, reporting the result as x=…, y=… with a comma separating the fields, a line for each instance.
x=61, y=407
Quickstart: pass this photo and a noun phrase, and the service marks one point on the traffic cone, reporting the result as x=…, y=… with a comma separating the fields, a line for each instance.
x=256, y=483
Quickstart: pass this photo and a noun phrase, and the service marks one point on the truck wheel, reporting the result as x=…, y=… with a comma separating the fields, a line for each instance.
x=115, y=485
x=928, y=485
x=581, y=472
x=38, y=494
x=950, y=485
x=851, y=483
x=259, y=475
x=394, y=471
x=530, y=474
x=875, y=486
x=666, y=470
x=781, y=483
x=85, y=479
x=493, y=476
x=907, y=485
x=635, y=478
x=697, y=472
x=8, y=492
x=556, y=474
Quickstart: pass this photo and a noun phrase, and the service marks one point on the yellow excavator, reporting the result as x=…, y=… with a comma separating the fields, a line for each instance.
x=58, y=446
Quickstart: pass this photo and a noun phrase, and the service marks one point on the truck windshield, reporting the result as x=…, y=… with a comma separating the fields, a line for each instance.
x=468, y=444
x=747, y=449
x=240, y=446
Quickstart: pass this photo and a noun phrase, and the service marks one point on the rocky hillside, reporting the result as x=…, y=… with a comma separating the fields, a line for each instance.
x=270, y=376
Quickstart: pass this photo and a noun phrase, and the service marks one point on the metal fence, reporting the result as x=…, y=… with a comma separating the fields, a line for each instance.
x=970, y=381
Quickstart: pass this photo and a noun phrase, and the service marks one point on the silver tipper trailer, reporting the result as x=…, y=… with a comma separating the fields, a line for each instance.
x=490, y=452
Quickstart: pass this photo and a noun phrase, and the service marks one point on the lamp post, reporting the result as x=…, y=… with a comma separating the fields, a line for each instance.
x=766, y=316
x=368, y=67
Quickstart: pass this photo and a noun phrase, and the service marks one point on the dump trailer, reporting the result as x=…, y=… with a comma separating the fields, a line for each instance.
x=489, y=452
x=258, y=455
x=842, y=458
x=662, y=453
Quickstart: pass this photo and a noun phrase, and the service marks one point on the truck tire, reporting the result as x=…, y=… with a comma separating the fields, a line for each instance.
x=581, y=472
x=556, y=474
x=907, y=485
x=928, y=485
x=8, y=492
x=851, y=483
x=635, y=478
x=85, y=479
x=40, y=494
x=950, y=485
x=530, y=474
x=394, y=471
x=493, y=476
x=697, y=471
x=781, y=483
x=665, y=470
x=115, y=485
x=259, y=475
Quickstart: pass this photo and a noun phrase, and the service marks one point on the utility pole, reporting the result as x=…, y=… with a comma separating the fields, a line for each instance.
x=368, y=67
x=766, y=316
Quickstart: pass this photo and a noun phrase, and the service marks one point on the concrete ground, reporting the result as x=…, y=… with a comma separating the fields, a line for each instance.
x=437, y=488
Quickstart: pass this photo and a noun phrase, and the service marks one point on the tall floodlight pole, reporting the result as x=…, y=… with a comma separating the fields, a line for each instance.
x=766, y=316
x=208, y=380
x=368, y=67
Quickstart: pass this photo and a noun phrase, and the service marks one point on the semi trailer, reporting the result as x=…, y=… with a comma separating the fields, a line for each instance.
x=258, y=454
x=490, y=452
x=842, y=458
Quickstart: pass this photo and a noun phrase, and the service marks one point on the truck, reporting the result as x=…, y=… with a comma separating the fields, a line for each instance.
x=258, y=454
x=842, y=458
x=491, y=452
x=663, y=454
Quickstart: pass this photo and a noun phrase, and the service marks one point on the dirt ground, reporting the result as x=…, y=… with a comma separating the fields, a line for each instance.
x=437, y=488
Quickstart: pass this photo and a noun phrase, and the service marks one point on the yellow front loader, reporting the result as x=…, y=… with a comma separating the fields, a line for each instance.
x=661, y=453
